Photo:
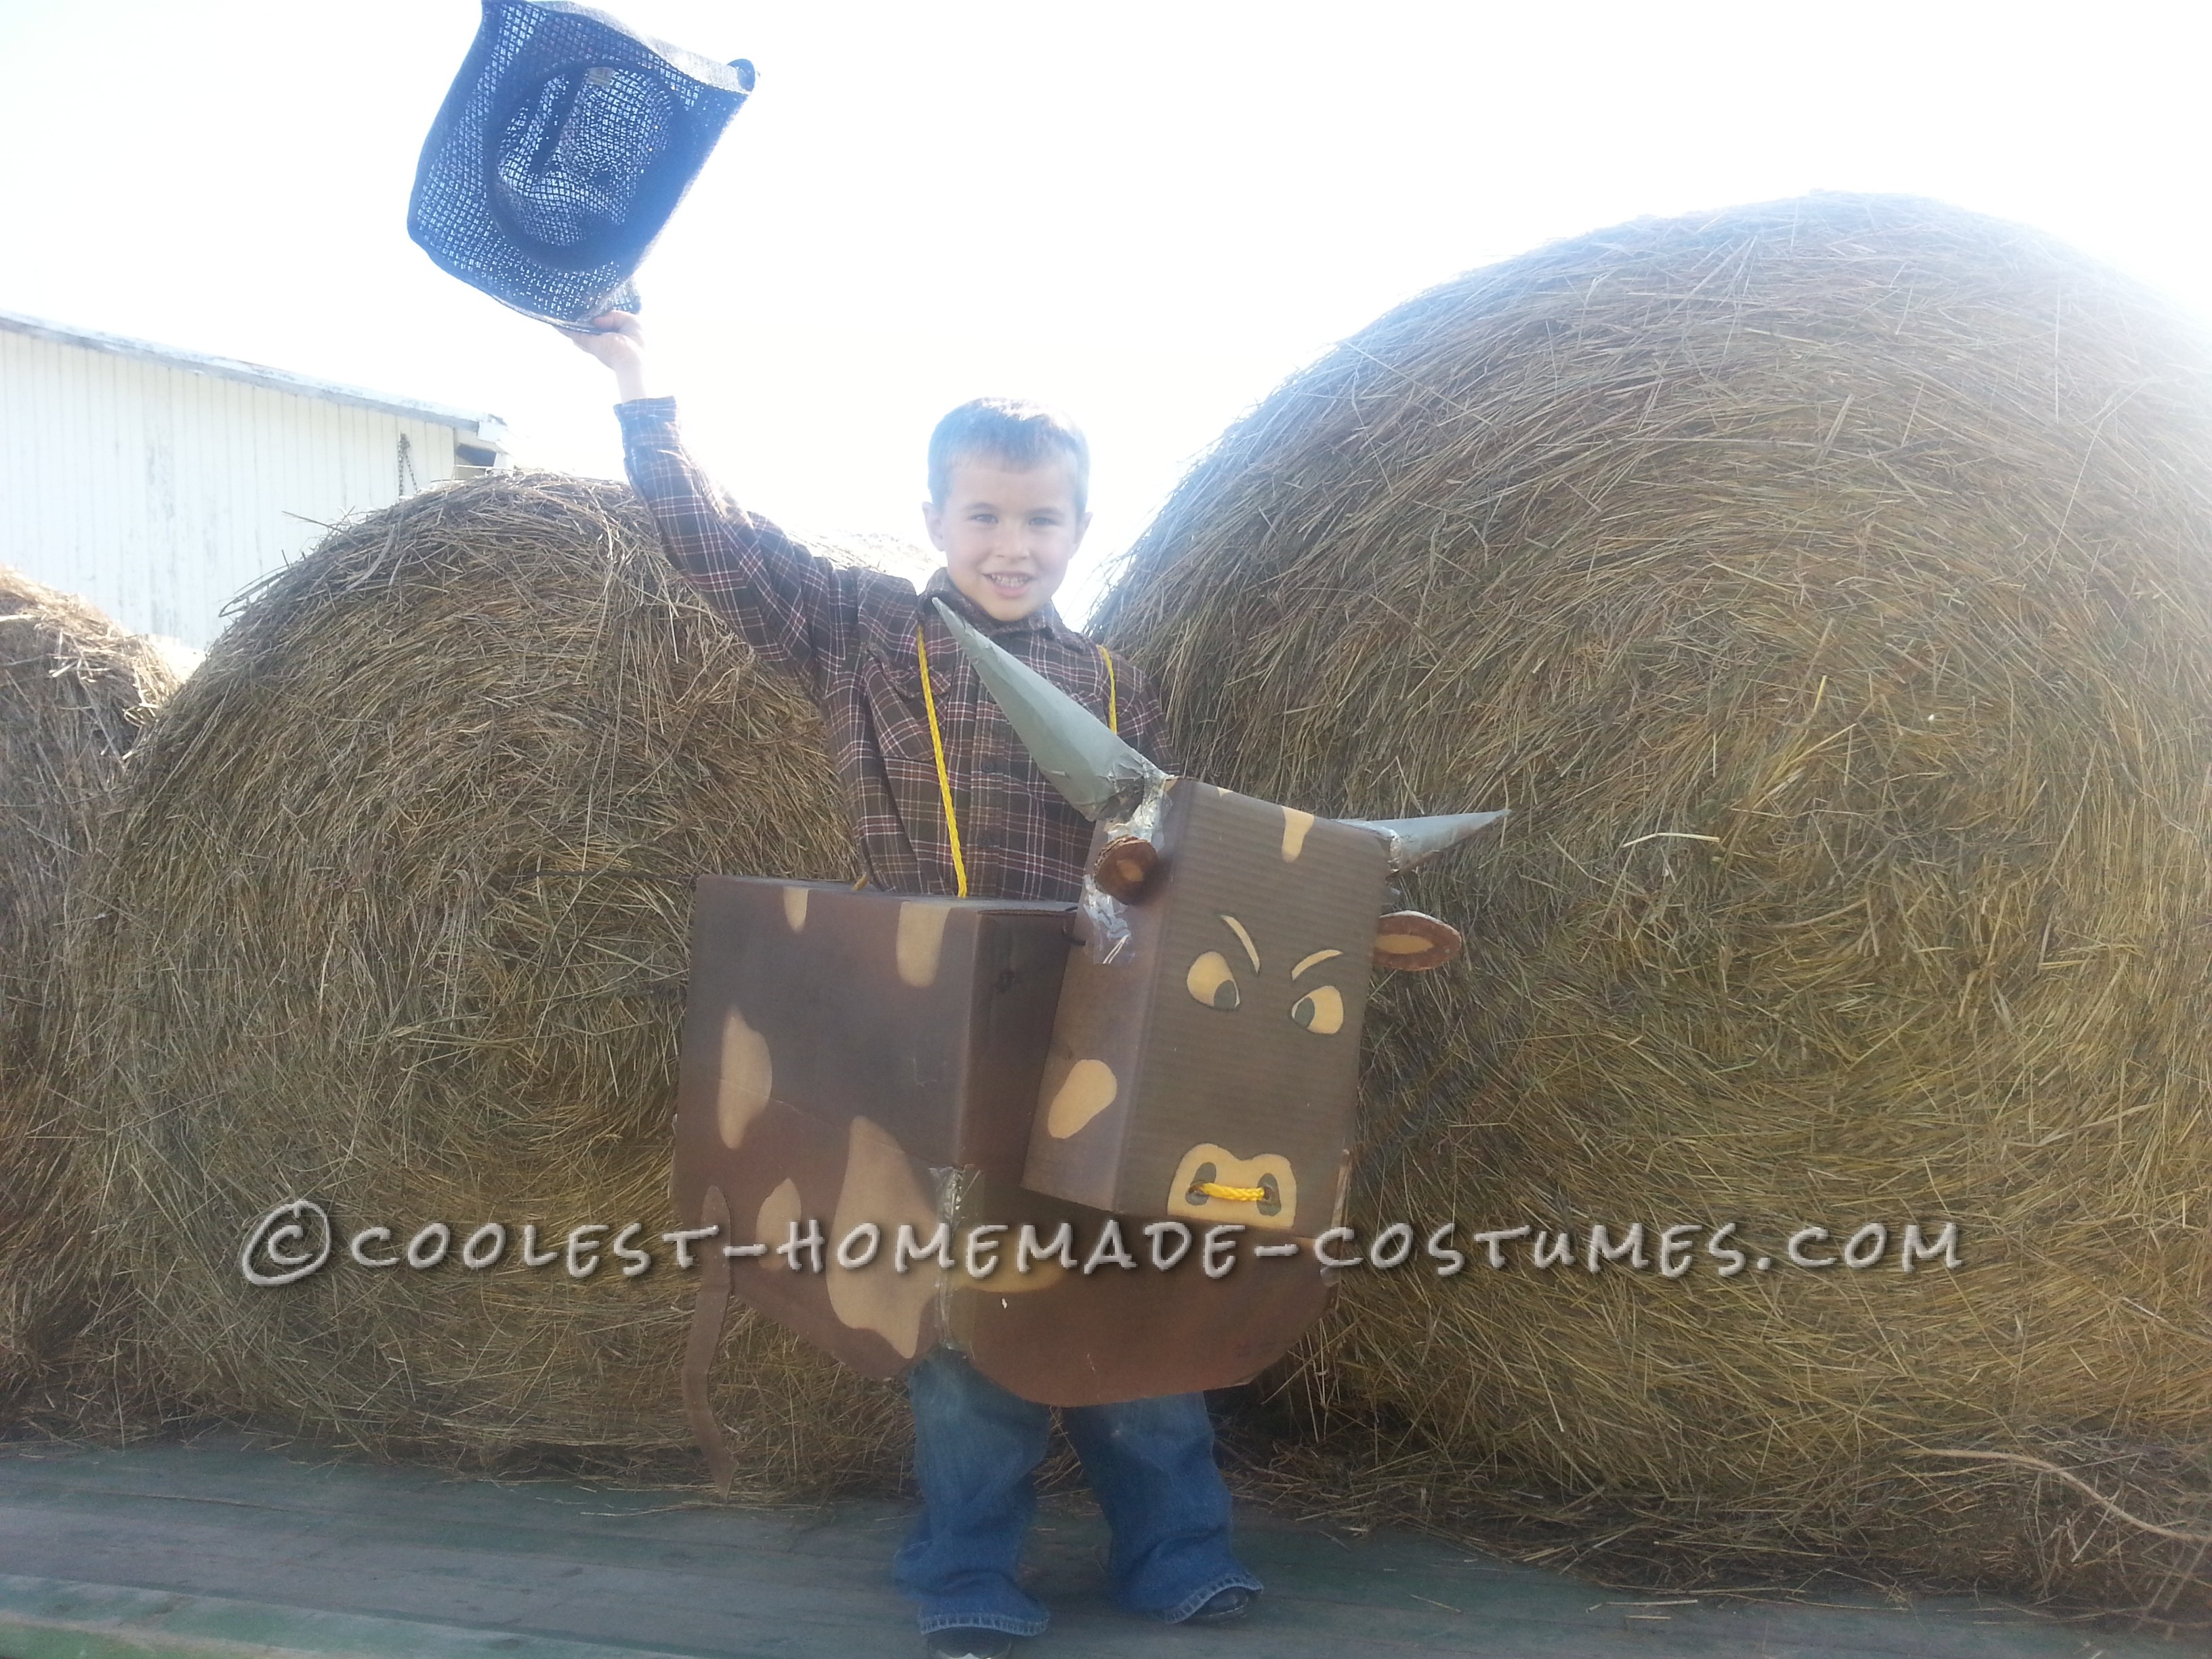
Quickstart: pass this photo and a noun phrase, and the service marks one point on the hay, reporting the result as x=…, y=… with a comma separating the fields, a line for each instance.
x=397, y=921
x=1825, y=585
x=75, y=691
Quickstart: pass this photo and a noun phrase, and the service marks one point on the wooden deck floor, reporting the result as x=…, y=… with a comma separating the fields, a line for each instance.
x=220, y=1550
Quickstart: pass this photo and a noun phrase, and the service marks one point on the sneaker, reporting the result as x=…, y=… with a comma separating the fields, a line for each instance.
x=1224, y=1605
x=959, y=1643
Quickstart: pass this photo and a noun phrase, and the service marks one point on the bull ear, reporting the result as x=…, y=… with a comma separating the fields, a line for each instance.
x=1071, y=746
x=1409, y=941
x=1123, y=866
x=1416, y=841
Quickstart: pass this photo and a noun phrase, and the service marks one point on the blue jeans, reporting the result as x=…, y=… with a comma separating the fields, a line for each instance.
x=1149, y=1462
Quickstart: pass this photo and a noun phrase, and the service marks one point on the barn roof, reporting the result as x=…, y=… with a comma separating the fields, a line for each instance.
x=489, y=428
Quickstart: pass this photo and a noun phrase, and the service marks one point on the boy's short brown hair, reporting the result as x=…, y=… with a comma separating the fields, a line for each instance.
x=1020, y=435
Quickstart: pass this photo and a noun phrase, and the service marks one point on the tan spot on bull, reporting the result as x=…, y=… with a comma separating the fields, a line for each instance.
x=1087, y=1089
x=1212, y=1183
x=779, y=1213
x=920, y=941
x=794, y=908
x=881, y=1187
x=1043, y=1273
x=746, y=1078
x=1295, y=825
x=1042, y=1276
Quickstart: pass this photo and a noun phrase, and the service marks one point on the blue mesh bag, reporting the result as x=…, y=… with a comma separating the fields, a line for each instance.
x=563, y=148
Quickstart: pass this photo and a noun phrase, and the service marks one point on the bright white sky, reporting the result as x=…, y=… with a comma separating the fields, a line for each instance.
x=1148, y=213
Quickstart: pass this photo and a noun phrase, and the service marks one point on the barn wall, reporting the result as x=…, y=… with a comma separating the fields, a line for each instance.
x=158, y=492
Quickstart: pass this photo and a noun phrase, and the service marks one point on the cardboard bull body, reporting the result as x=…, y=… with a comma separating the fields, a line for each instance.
x=855, y=1058
x=864, y=1068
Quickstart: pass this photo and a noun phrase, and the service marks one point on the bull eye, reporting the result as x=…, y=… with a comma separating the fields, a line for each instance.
x=1319, y=1010
x=1211, y=982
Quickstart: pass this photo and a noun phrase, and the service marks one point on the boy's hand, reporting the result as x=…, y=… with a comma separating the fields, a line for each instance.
x=619, y=342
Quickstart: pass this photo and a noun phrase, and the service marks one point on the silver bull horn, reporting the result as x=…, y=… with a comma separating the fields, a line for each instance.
x=1071, y=746
x=1416, y=841
x=1094, y=768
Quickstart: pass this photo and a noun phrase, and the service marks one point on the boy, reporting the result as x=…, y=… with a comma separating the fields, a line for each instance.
x=1008, y=485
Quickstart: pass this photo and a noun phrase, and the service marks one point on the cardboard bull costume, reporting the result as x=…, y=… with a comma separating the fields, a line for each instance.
x=913, y=1120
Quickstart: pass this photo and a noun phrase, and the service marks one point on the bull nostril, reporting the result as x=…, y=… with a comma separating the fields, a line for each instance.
x=1272, y=1203
x=1200, y=1179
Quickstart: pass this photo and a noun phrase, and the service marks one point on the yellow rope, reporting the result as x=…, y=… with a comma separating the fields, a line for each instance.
x=943, y=778
x=1235, y=1194
x=1113, y=706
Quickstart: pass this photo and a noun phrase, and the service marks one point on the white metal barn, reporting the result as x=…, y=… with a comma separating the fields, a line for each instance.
x=157, y=482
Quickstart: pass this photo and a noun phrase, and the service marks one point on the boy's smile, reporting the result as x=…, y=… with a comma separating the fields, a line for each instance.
x=1006, y=534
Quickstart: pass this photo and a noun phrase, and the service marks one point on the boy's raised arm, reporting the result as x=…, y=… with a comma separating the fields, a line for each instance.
x=780, y=597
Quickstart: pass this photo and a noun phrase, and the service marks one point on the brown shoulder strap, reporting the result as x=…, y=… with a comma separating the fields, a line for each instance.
x=708, y=1313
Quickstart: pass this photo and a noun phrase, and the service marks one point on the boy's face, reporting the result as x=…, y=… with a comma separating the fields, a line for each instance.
x=1006, y=536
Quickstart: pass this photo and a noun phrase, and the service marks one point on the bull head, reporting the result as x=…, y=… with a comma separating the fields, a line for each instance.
x=1209, y=1069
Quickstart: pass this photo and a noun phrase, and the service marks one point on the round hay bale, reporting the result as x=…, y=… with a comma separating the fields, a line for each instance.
x=398, y=922
x=1828, y=587
x=75, y=692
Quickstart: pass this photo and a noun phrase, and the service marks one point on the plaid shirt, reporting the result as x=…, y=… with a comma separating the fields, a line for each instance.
x=849, y=636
